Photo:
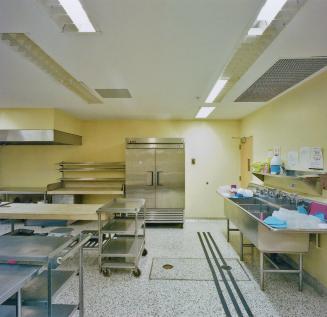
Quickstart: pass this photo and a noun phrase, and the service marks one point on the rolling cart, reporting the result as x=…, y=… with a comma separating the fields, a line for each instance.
x=122, y=238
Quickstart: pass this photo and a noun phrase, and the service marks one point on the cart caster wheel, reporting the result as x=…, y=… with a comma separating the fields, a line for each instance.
x=136, y=272
x=106, y=272
x=145, y=252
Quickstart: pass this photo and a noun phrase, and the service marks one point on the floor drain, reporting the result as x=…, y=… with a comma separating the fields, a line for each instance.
x=167, y=266
x=226, y=267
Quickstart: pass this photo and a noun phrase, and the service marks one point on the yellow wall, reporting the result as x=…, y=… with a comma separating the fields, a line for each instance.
x=33, y=118
x=26, y=118
x=66, y=123
x=299, y=118
x=209, y=142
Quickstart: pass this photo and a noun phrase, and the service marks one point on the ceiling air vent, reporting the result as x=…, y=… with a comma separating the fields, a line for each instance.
x=114, y=93
x=283, y=75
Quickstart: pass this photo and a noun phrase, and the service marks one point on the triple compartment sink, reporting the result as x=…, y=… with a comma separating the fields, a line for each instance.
x=261, y=208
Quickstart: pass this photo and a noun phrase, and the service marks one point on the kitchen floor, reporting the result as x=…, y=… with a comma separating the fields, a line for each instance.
x=188, y=288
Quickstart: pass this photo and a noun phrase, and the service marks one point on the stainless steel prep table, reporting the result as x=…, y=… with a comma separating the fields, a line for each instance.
x=12, y=279
x=245, y=214
x=47, y=253
x=72, y=212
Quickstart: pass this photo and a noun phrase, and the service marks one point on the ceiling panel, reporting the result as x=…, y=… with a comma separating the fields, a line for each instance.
x=167, y=53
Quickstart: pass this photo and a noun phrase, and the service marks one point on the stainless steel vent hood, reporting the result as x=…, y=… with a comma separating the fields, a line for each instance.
x=41, y=137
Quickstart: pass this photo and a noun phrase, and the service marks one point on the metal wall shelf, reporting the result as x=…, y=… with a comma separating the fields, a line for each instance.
x=302, y=176
x=92, y=179
x=98, y=164
x=89, y=178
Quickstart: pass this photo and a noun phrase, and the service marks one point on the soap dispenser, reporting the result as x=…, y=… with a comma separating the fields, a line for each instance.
x=275, y=164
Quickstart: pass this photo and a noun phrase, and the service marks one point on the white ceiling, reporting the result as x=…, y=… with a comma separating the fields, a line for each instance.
x=168, y=53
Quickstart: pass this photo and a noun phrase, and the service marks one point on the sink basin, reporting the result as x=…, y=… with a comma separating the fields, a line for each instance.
x=260, y=211
x=261, y=201
x=259, y=208
x=247, y=201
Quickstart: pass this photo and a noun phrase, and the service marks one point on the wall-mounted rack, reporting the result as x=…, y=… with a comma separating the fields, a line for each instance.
x=306, y=182
x=296, y=175
x=89, y=178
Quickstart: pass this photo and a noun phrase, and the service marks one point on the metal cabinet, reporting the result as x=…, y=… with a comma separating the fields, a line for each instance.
x=155, y=171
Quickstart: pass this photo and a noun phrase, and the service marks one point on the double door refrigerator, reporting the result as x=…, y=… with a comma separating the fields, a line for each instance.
x=155, y=171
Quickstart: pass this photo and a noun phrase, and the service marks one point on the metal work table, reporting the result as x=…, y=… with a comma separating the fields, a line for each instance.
x=248, y=215
x=121, y=239
x=12, y=279
x=45, y=253
x=50, y=211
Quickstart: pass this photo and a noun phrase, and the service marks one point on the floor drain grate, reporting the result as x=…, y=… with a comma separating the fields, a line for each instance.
x=167, y=266
x=226, y=267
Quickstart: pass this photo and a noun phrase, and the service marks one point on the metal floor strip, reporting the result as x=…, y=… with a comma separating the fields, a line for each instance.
x=219, y=290
x=229, y=290
x=232, y=279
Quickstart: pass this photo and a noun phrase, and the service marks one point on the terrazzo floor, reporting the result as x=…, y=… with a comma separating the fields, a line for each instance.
x=175, y=293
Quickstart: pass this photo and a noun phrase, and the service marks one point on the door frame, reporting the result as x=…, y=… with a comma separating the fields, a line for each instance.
x=246, y=159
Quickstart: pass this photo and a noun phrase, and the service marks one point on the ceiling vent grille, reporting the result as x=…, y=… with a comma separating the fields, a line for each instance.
x=283, y=75
x=252, y=47
x=114, y=93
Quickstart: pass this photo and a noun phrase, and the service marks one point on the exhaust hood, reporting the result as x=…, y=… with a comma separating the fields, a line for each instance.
x=41, y=137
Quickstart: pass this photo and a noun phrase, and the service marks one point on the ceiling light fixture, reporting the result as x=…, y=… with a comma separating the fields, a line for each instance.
x=26, y=47
x=204, y=112
x=266, y=15
x=77, y=14
x=216, y=89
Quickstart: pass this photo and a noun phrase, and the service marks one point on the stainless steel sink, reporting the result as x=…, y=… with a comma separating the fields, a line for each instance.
x=247, y=201
x=263, y=201
x=259, y=208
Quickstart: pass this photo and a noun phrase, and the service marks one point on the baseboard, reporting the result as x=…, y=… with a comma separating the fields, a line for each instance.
x=205, y=218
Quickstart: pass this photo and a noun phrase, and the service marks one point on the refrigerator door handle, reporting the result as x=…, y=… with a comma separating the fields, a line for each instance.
x=158, y=181
x=151, y=178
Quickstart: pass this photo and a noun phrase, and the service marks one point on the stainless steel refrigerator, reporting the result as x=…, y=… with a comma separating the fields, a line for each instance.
x=155, y=170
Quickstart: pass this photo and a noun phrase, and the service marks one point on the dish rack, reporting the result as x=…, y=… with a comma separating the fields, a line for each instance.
x=122, y=238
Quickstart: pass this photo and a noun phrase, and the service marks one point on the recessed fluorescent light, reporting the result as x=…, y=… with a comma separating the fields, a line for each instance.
x=78, y=15
x=266, y=15
x=216, y=89
x=255, y=31
x=204, y=112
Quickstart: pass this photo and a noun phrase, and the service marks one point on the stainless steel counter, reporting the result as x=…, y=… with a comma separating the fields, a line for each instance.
x=256, y=207
x=22, y=249
x=19, y=255
x=14, y=277
x=248, y=215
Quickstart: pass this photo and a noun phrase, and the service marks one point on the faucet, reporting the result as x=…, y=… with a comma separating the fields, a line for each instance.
x=294, y=198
